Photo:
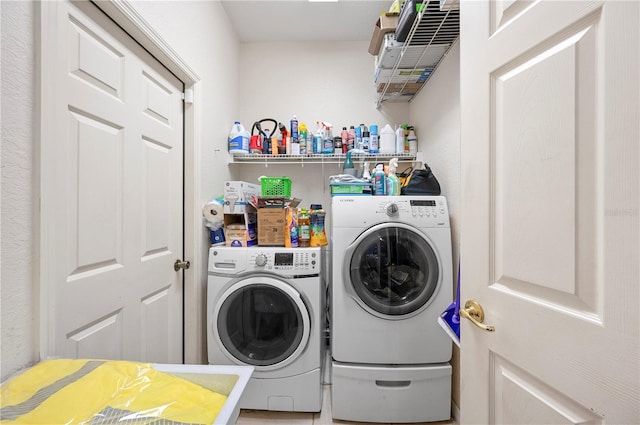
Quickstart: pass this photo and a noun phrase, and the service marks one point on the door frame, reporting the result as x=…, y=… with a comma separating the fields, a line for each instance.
x=128, y=18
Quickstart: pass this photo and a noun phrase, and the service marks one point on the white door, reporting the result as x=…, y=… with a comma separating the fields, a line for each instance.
x=111, y=161
x=550, y=230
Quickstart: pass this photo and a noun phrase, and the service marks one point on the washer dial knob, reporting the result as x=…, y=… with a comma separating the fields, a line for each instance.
x=391, y=209
x=261, y=260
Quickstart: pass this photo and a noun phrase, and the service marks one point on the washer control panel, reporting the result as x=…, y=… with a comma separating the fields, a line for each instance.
x=291, y=261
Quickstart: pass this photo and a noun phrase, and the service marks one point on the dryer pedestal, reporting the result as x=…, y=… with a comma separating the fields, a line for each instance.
x=397, y=394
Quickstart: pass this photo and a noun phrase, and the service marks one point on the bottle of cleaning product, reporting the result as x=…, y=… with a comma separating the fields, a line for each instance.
x=238, y=140
x=387, y=140
x=393, y=183
x=304, y=228
x=373, y=139
x=302, y=138
x=399, y=139
x=347, y=166
x=317, y=139
x=366, y=175
x=365, y=141
x=327, y=141
x=292, y=226
x=318, y=234
x=379, y=181
x=358, y=141
x=413, y=141
x=344, y=135
x=294, y=128
x=352, y=138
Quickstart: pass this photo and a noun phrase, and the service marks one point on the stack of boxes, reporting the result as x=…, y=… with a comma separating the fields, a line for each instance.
x=240, y=217
x=251, y=219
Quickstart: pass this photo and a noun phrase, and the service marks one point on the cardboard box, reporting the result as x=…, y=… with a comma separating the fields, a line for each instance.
x=401, y=88
x=386, y=23
x=241, y=229
x=382, y=75
x=237, y=195
x=272, y=226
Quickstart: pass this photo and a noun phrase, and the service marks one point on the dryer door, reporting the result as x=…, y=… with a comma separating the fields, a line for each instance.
x=262, y=321
x=392, y=270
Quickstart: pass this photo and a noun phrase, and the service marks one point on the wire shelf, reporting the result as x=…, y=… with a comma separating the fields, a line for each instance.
x=434, y=31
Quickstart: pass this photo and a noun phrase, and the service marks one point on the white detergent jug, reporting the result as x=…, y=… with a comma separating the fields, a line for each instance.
x=238, y=140
x=387, y=140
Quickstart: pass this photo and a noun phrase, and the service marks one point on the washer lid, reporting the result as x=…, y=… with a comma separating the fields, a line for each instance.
x=263, y=322
x=392, y=270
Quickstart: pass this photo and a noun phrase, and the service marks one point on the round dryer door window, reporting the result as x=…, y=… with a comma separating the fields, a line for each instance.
x=393, y=270
x=262, y=322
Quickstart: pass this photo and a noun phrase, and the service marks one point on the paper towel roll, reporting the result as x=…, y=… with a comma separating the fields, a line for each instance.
x=213, y=212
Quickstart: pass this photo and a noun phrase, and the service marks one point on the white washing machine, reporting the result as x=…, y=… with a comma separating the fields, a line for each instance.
x=392, y=277
x=266, y=308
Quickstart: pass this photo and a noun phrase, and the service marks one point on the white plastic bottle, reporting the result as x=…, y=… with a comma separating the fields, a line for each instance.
x=413, y=141
x=399, y=139
x=392, y=182
x=387, y=140
x=238, y=140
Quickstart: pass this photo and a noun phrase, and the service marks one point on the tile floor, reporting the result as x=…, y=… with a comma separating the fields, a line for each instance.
x=298, y=418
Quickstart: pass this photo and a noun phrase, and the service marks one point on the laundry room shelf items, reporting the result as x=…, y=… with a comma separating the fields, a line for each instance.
x=403, y=68
x=320, y=158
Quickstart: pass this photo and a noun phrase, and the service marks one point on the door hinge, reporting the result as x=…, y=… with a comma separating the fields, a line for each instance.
x=179, y=264
x=187, y=96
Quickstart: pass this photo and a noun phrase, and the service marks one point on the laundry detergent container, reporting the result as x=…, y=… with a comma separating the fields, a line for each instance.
x=391, y=394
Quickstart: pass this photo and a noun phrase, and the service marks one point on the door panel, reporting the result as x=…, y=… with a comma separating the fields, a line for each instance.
x=112, y=191
x=550, y=106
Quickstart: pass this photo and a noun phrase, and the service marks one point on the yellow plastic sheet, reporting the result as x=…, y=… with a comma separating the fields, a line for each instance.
x=96, y=392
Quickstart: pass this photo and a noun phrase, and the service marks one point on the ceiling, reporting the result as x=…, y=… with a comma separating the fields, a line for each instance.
x=303, y=20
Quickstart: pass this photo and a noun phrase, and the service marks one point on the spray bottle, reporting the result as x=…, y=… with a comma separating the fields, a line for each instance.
x=393, y=183
x=327, y=146
x=366, y=175
x=317, y=139
x=347, y=166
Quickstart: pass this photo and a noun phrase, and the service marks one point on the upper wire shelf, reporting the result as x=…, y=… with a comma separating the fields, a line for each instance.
x=433, y=29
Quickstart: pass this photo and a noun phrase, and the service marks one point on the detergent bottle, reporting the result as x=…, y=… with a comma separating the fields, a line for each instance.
x=393, y=183
x=318, y=234
x=379, y=181
x=304, y=228
x=238, y=140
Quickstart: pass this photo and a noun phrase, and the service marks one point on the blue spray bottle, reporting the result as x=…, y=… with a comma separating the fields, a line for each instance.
x=379, y=181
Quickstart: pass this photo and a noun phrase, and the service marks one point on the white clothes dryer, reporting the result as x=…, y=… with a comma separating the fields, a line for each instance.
x=392, y=277
x=266, y=309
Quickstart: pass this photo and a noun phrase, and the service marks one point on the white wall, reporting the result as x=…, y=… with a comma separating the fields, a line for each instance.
x=316, y=81
x=435, y=112
x=18, y=321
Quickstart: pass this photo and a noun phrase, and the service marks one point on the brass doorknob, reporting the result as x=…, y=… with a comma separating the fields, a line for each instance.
x=473, y=311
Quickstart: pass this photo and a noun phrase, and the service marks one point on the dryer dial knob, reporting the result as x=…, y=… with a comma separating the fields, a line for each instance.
x=392, y=209
x=261, y=260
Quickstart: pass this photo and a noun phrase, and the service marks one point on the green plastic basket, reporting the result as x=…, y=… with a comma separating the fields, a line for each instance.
x=276, y=186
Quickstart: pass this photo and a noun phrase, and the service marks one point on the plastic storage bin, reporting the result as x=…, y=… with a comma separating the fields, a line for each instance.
x=276, y=186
